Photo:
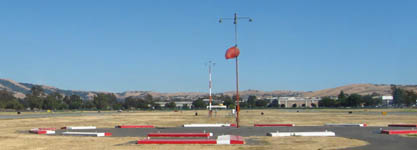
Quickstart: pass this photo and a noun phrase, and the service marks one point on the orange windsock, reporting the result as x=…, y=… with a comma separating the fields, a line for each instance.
x=232, y=52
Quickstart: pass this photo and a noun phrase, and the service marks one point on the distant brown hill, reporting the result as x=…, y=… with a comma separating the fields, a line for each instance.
x=247, y=93
x=20, y=89
x=362, y=89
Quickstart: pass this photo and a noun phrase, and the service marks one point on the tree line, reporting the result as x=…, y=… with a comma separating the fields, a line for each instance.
x=252, y=102
x=352, y=100
x=38, y=99
x=401, y=98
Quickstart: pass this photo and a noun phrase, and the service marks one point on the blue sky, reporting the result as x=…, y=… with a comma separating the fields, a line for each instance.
x=164, y=45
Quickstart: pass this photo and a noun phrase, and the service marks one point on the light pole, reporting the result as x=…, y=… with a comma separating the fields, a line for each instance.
x=210, y=64
x=235, y=55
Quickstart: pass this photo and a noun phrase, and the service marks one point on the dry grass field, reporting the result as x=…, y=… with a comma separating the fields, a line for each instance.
x=14, y=136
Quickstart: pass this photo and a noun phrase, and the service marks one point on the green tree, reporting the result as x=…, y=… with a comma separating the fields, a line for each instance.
x=232, y=106
x=33, y=101
x=5, y=98
x=67, y=100
x=261, y=103
x=35, y=98
x=52, y=101
x=75, y=102
x=243, y=105
x=327, y=102
x=117, y=106
x=398, y=95
x=8, y=101
x=170, y=105
x=369, y=100
x=130, y=103
x=143, y=104
x=354, y=100
x=411, y=98
x=49, y=102
x=14, y=104
x=102, y=101
x=251, y=101
x=89, y=104
x=185, y=106
x=228, y=103
x=199, y=104
x=37, y=90
x=342, y=98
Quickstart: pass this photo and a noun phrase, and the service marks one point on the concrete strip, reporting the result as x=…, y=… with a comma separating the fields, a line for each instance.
x=348, y=125
x=325, y=133
x=98, y=134
x=79, y=127
x=180, y=134
x=207, y=125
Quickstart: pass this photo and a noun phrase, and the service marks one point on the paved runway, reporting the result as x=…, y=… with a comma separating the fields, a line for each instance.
x=370, y=134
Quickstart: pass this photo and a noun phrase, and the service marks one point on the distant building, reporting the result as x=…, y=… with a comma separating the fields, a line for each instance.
x=294, y=102
x=387, y=100
x=213, y=101
x=179, y=104
x=217, y=107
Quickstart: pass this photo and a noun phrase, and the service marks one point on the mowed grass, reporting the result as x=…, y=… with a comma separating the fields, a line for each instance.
x=13, y=132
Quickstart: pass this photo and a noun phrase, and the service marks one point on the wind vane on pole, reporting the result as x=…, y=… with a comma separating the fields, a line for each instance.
x=234, y=52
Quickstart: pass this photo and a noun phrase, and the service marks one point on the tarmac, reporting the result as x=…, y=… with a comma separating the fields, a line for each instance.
x=370, y=134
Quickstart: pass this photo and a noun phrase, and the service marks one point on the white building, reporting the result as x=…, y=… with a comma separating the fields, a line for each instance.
x=287, y=102
x=387, y=100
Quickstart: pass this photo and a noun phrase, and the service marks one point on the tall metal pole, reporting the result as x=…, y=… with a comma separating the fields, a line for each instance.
x=237, y=93
x=235, y=22
x=237, y=76
x=235, y=18
x=210, y=86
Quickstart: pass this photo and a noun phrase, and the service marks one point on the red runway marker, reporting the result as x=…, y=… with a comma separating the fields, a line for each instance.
x=399, y=131
x=38, y=131
x=107, y=134
x=236, y=140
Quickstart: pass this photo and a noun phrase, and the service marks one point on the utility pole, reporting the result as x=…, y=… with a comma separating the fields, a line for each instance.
x=210, y=64
x=235, y=20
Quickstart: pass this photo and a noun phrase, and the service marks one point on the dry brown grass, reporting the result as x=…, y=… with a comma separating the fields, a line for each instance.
x=319, y=118
x=11, y=136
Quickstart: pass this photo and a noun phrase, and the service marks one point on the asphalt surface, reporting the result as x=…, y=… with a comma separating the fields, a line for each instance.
x=370, y=134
